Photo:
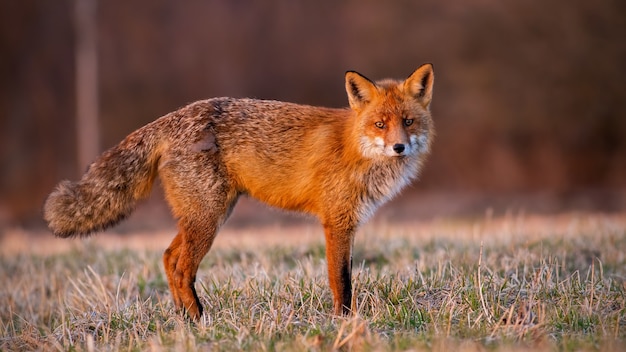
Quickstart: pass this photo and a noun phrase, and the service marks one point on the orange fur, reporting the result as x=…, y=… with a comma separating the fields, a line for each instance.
x=337, y=164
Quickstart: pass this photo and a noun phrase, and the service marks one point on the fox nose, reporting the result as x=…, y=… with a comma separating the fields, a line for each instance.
x=398, y=148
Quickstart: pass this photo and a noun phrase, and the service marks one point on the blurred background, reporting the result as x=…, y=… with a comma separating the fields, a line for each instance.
x=529, y=101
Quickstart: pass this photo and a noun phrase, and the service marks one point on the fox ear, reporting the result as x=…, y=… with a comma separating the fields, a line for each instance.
x=360, y=90
x=420, y=84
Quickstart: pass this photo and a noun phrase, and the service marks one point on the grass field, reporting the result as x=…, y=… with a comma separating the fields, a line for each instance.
x=509, y=283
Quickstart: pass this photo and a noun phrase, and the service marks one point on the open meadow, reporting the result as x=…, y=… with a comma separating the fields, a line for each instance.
x=514, y=282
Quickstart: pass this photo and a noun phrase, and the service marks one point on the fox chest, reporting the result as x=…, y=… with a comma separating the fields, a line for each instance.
x=382, y=184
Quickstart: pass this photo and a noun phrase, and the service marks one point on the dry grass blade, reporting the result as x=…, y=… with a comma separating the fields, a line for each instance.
x=480, y=285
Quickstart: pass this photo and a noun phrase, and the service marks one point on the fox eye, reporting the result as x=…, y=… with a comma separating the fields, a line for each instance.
x=379, y=124
x=408, y=122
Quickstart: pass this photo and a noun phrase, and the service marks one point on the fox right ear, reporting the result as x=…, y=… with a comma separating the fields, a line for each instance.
x=360, y=90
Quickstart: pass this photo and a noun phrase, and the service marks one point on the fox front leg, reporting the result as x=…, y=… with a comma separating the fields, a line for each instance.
x=339, y=258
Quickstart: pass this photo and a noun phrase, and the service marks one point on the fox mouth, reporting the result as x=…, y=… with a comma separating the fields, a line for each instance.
x=398, y=150
x=375, y=148
x=418, y=145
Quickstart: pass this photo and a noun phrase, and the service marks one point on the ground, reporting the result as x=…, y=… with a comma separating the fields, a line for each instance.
x=496, y=281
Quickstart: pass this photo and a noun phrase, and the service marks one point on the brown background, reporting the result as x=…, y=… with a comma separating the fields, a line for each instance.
x=529, y=96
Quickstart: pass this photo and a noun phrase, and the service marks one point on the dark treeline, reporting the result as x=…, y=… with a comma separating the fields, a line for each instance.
x=528, y=96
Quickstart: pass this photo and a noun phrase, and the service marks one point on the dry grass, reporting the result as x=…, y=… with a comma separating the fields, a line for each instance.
x=514, y=283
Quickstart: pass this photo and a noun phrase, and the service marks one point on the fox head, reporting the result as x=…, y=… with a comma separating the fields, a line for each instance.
x=393, y=117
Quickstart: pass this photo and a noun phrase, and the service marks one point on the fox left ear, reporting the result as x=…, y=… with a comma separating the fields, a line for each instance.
x=360, y=90
x=420, y=84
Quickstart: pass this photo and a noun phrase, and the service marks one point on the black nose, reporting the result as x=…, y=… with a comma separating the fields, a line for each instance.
x=398, y=148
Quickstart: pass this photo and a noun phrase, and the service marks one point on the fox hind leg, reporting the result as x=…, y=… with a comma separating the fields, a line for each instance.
x=202, y=199
x=189, y=247
x=183, y=257
x=170, y=258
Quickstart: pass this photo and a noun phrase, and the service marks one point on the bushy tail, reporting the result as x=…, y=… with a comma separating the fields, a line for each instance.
x=109, y=190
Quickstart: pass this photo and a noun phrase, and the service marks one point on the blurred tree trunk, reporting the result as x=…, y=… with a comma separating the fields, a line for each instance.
x=88, y=136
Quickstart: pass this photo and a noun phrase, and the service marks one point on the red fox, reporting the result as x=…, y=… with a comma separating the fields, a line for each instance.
x=337, y=164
